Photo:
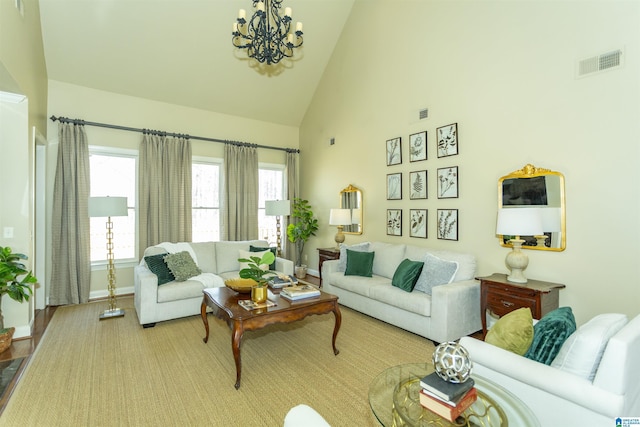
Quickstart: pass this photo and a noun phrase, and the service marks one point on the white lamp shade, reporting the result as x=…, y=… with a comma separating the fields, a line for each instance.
x=356, y=216
x=107, y=206
x=519, y=222
x=550, y=219
x=277, y=207
x=340, y=217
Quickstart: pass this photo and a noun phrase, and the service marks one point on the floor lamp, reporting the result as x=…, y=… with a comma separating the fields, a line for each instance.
x=277, y=208
x=108, y=207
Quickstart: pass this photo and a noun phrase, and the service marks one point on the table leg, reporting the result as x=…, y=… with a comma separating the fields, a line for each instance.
x=236, y=342
x=336, y=328
x=205, y=320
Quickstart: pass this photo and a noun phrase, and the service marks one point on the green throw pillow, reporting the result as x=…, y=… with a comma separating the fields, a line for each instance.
x=550, y=333
x=252, y=248
x=182, y=265
x=513, y=331
x=406, y=274
x=359, y=263
x=158, y=267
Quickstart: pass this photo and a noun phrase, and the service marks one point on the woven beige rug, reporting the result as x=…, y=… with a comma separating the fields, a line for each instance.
x=87, y=372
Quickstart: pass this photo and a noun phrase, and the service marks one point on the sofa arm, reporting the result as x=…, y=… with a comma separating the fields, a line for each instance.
x=529, y=374
x=328, y=267
x=284, y=266
x=455, y=310
x=145, y=293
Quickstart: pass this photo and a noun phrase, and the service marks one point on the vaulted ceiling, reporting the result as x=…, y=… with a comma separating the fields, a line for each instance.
x=180, y=52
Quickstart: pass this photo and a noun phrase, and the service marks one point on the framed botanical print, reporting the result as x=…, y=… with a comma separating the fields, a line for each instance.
x=418, y=223
x=394, y=186
x=394, y=222
x=448, y=182
x=394, y=151
x=447, y=137
x=448, y=224
x=418, y=185
x=418, y=146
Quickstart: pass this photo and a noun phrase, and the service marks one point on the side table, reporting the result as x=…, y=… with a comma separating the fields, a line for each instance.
x=326, y=254
x=501, y=296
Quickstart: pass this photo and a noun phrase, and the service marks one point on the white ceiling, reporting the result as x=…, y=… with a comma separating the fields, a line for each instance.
x=180, y=52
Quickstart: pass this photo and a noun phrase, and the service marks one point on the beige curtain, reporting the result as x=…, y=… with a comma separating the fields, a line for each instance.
x=71, y=258
x=240, y=208
x=164, y=191
x=292, y=189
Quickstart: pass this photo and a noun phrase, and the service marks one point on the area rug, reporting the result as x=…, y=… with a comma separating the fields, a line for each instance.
x=8, y=370
x=87, y=372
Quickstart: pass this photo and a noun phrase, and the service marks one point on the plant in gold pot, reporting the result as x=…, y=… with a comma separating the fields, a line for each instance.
x=258, y=270
x=15, y=281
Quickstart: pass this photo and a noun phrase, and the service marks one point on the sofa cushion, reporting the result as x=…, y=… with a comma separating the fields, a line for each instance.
x=159, y=267
x=362, y=247
x=227, y=253
x=388, y=257
x=414, y=302
x=581, y=352
x=513, y=331
x=359, y=263
x=182, y=265
x=175, y=291
x=436, y=272
x=550, y=333
x=357, y=284
x=205, y=255
x=274, y=250
x=466, y=264
x=407, y=274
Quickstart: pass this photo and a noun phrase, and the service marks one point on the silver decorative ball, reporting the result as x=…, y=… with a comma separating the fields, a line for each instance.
x=451, y=362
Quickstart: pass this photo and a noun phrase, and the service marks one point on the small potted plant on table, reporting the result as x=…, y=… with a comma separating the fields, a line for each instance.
x=258, y=270
x=301, y=230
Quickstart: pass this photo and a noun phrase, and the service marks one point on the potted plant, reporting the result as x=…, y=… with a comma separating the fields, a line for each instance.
x=299, y=231
x=258, y=270
x=15, y=281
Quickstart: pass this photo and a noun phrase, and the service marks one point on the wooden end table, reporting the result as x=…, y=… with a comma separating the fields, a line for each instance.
x=224, y=303
x=502, y=296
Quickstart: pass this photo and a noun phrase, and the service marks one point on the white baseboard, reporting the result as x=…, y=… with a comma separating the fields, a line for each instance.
x=102, y=294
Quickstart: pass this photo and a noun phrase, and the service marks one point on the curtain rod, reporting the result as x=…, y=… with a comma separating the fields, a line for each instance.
x=175, y=135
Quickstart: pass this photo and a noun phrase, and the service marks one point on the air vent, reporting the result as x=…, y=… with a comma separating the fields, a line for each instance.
x=423, y=114
x=599, y=63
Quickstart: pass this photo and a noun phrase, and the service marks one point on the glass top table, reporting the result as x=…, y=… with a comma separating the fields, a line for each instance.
x=394, y=400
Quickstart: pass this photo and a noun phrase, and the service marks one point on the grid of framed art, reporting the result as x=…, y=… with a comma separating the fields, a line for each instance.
x=447, y=183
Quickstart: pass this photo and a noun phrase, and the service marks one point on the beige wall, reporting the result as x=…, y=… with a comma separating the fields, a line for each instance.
x=22, y=70
x=504, y=71
x=67, y=100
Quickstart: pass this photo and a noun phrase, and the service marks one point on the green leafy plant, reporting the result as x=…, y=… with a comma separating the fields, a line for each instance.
x=15, y=279
x=258, y=269
x=303, y=227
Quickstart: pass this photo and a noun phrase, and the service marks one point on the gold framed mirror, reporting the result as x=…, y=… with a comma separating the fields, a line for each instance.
x=351, y=198
x=540, y=189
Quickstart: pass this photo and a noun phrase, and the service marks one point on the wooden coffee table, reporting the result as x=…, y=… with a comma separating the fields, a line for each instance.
x=224, y=303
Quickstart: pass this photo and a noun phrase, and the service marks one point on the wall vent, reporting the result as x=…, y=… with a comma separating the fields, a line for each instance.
x=423, y=114
x=599, y=63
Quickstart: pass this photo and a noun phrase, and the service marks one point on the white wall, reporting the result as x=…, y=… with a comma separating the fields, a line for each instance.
x=72, y=101
x=504, y=71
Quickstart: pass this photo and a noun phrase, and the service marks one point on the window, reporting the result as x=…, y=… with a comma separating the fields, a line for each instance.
x=205, y=188
x=113, y=173
x=271, y=183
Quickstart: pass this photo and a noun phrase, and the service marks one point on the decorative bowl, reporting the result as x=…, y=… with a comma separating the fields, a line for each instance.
x=242, y=286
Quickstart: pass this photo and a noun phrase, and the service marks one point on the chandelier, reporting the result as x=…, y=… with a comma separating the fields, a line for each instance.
x=267, y=36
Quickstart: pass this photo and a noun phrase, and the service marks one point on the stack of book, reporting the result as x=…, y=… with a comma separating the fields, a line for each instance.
x=282, y=280
x=295, y=293
x=446, y=399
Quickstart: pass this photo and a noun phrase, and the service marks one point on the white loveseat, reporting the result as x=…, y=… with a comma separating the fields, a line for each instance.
x=559, y=397
x=217, y=260
x=450, y=312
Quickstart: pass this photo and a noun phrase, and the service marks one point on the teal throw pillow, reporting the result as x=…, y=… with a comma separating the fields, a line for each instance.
x=406, y=274
x=182, y=265
x=272, y=266
x=359, y=263
x=158, y=267
x=550, y=333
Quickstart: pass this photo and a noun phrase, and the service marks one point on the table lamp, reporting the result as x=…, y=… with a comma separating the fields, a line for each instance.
x=518, y=222
x=340, y=218
x=550, y=224
x=277, y=208
x=108, y=207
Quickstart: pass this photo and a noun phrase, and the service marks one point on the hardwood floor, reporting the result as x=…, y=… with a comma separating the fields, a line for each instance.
x=24, y=347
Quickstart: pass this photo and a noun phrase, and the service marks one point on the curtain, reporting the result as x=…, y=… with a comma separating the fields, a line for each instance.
x=240, y=208
x=292, y=189
x=71, y=257
x=164, y=191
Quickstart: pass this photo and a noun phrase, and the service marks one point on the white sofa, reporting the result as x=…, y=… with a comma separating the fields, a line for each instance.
x=561, y=398
x=451, y=311
x=217, y=260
